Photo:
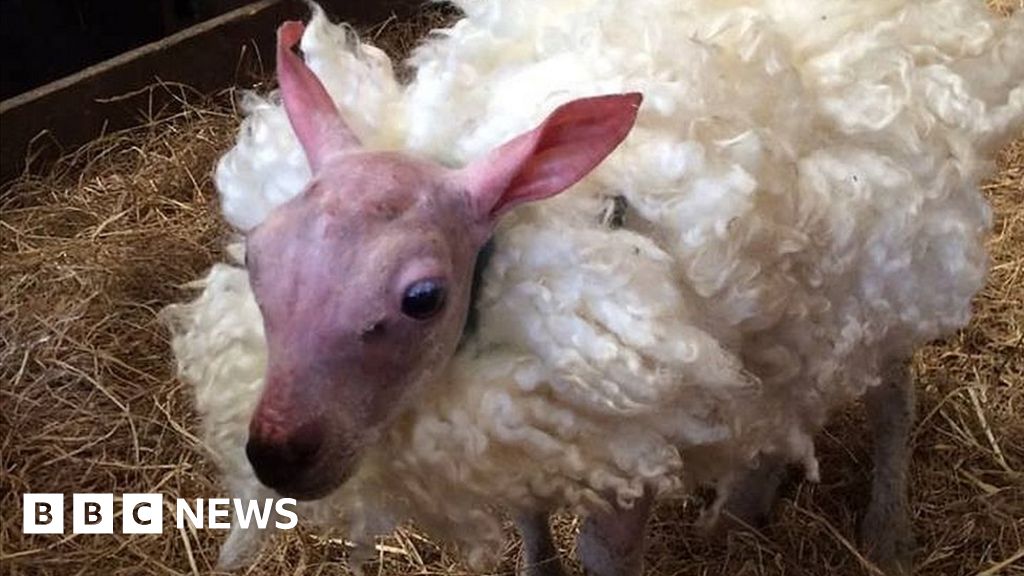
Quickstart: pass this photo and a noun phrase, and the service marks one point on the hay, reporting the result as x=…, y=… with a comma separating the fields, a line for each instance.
x=93, y=249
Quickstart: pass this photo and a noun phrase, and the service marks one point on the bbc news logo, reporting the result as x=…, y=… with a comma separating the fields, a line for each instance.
x=144, y=513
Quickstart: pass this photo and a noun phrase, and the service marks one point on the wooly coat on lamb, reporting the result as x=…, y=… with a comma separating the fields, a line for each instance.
x=784, y=215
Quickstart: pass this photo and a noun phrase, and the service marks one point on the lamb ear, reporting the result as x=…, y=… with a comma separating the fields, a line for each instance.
x=540, y=163
x=313, y=115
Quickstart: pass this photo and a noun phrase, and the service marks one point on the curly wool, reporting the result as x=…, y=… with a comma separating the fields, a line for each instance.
x=802, y=206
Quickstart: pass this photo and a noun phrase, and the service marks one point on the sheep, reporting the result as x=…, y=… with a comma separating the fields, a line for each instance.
x=791, y=210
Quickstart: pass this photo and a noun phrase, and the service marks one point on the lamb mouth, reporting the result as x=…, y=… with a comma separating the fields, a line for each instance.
x=305, y=494
x=321, y=488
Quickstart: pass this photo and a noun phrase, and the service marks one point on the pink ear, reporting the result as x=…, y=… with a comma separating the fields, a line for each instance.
x=570, y=143
x=312, y=113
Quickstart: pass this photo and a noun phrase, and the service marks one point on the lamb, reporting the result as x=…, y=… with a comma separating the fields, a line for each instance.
x=769, y=205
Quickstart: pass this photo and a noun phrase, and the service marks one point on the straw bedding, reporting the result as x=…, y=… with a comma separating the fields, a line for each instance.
x=91, y=250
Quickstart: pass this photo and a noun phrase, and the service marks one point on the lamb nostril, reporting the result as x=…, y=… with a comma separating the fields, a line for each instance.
x=279, y=463
x=271, y=464
x=304, y=444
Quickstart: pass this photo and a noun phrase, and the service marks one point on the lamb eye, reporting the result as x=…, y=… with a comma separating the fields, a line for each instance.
x=423, y=299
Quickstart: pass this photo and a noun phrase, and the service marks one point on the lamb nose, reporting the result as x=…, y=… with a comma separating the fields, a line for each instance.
x=279, y=463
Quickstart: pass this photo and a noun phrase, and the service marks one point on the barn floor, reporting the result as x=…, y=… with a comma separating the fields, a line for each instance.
x=92, y=250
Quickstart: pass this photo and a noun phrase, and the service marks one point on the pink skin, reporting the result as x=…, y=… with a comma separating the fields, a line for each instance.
x=330, y=270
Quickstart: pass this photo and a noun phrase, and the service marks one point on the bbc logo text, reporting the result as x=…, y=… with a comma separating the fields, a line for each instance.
x=144, y=513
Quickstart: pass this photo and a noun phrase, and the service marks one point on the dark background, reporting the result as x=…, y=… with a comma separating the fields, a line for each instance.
x=43, y=40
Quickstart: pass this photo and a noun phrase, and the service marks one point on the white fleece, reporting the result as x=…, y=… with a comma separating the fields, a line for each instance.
x=803, y=204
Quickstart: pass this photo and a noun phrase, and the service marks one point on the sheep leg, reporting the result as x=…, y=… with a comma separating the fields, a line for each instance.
x=240, y=548
x=886, y=531
x=752, y=498
x=540, y=555
x=611, y=543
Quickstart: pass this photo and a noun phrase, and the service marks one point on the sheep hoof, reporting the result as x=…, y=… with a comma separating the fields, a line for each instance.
x=604, y=554
x=887, y=537
x=549, y=567
x=751, y=501
x=744, y=512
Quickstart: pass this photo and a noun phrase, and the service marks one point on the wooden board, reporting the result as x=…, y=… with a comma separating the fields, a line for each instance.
x=234, y=49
